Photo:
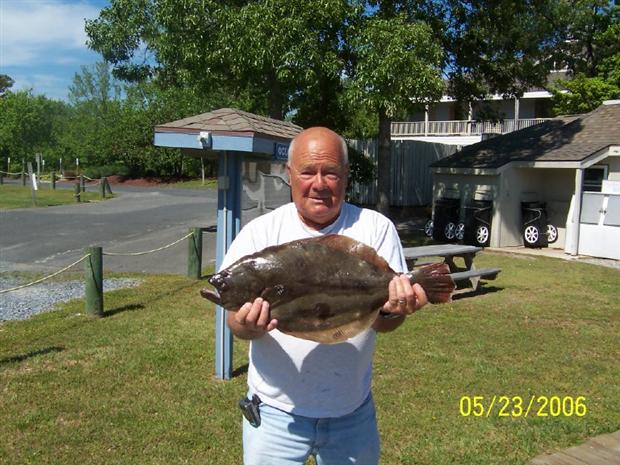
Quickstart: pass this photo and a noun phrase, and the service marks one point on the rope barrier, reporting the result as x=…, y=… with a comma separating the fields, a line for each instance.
x=3, y=291
x=134, y=254
x=11, y=174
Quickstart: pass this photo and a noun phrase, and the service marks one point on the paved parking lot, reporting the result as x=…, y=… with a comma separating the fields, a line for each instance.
x=138, y=219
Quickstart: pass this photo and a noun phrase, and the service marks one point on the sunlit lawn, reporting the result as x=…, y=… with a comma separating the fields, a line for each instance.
x=137, y=386
x=17, y=196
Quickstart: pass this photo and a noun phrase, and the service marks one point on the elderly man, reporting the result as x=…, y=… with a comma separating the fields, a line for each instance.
x=315, y=399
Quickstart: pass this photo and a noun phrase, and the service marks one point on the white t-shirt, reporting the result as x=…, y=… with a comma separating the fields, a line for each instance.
x=305, y=377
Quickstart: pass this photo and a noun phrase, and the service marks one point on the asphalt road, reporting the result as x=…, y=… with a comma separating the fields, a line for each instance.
x=138, y=219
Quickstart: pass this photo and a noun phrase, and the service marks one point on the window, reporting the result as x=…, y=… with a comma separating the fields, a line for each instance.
x=593, y=178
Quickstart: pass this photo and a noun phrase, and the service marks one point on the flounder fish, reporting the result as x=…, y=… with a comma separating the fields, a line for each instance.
x=325, y=289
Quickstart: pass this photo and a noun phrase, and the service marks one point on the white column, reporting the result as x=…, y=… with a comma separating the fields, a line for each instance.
x=572, y=247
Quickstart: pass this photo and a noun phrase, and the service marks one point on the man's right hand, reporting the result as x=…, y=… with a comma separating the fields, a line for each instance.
x=252, y=320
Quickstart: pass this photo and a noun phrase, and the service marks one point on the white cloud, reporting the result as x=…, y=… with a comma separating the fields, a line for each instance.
x=44, y=31
x=50, y=85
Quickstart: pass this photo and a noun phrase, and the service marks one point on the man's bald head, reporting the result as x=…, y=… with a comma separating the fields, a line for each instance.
x=317, y=133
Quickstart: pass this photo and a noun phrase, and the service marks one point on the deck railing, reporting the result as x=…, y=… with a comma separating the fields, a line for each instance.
x=461, y=127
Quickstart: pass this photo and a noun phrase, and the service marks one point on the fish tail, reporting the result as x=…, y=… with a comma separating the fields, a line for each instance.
x=436, y=281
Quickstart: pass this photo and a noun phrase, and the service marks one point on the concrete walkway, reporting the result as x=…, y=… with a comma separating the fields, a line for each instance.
x=557, y=253
x=599, y=450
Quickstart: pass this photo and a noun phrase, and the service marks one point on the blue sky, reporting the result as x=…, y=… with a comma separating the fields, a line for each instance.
x=43, y=43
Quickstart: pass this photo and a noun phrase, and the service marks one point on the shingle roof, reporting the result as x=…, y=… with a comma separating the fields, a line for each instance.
x=231, y=121
x=568, y=138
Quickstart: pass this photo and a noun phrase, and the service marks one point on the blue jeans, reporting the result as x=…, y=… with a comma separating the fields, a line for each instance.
x=288, y=439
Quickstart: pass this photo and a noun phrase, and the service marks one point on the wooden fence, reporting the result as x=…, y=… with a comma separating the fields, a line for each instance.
x=412, y=179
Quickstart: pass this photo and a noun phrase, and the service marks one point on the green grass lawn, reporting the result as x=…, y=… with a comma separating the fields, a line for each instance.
x=12, y=196
x=137, y=386
x=210, y=183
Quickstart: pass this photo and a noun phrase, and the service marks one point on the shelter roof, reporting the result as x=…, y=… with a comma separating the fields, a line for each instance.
x=230, y=121
x=563, y=139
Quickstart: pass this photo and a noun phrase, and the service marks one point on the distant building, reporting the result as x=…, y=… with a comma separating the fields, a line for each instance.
x=451, y=122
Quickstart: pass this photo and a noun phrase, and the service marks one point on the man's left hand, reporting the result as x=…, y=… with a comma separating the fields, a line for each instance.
x=404, y=298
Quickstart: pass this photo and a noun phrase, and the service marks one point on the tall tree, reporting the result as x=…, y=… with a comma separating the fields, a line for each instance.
x=6, y=82
x=395, y=65
x=270, y=50
x=25, y=124
x=93, y=128
x=591, y=54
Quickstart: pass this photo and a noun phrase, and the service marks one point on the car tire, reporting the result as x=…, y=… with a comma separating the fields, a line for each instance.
x=552, y=233
x=483, y=235
x=428, y=228
x=460, y=231
x=449, y=231
x=531, y=235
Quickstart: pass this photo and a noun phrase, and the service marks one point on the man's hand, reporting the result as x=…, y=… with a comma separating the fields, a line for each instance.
x=404, y=298
x=252, y=320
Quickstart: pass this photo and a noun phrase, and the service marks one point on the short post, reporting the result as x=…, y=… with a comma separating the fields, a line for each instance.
x=194, y=256
x=82, y=183
x=102, y=187
x=107, y=186
x=23, y=172
x=54, y=180
x=93, y=273
x=1, y=178
x=77, y=192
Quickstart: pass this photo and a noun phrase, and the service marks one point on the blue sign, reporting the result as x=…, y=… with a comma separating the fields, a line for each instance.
x=281, y=152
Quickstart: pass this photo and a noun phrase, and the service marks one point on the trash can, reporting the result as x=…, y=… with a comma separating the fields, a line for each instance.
x=478, y=222
x=534, y=232
x=445, y=219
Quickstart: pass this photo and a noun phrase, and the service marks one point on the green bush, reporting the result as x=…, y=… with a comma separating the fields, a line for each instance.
x=97, y=172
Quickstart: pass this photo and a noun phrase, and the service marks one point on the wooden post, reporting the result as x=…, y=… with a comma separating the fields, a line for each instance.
x=107, y=186
x=194, y=254
x=1, y=178
x=102, y=188
x=82, y=183
x=93, y=274
x=77, y=192
x=23, y=172
x=53, y=180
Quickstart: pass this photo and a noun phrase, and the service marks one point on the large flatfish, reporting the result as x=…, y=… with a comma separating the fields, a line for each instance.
x=325, y=289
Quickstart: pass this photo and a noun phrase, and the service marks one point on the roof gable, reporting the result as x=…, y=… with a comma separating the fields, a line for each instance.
x=234, y=122
x=567, y=138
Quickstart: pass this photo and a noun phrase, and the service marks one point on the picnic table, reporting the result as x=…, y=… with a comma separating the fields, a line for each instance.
x=466, y=277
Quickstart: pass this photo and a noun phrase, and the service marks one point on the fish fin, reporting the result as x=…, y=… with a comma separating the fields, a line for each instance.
x=436, y=281
x=211, y=295
x=339, y=333
x=359, y=249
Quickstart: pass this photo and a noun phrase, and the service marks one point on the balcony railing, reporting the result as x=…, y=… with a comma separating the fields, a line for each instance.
x=461, y=127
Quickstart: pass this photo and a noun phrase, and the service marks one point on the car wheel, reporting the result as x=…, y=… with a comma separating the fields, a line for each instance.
x=531, y=235
x=482, y=235
x=460, y=231
x=552, y=233
x=449, y=231
x=428, y=228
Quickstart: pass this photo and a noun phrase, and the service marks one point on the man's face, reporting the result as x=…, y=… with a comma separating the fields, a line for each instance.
x=318, y=177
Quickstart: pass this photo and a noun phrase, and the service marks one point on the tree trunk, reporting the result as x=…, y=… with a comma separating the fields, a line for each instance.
x=275, y=97
x=383, y=164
